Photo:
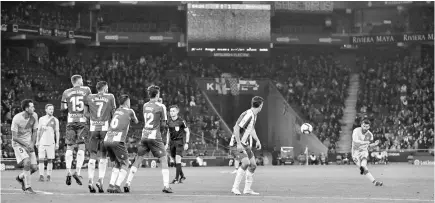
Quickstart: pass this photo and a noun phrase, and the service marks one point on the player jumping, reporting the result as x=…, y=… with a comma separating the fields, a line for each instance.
x=154, y=116
x=114, y=142
x=175, y=141
x=76, y=129
x=24, y=128
x=47, y=141
x=101, y=108
x=243, y=129
x=361, y=138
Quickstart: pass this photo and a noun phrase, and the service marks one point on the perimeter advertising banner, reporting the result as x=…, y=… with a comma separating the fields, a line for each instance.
x=8, y=164
x=138, y=37
x=391, y=39
x=314, y=38
x=46, y=32
x=189, y=162
x=326, y=39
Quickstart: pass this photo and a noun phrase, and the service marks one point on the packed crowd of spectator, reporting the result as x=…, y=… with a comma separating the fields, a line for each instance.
x=397, y=95
x=45, y=14
x=318, y=86
x=179, y=89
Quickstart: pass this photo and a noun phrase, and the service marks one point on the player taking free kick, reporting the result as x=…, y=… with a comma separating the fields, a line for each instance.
x=47, y=141
x=24, y=128
x=154, y=113
x=76, y=128
x=244, y=128
x=361, y=138
x=101, y=108
x=114, y=142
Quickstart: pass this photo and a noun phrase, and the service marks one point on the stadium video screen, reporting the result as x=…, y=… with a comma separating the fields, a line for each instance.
x=228, y=30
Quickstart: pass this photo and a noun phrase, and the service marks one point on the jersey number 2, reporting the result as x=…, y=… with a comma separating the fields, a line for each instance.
x=77, y=103
x=149, y=117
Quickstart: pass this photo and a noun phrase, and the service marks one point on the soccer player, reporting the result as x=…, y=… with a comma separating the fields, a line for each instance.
x=76, y=128
x=176, y=141
x=47, y=141
x=243, y=129
x=114, y=142
x=154, y=113
x=101, y=108
x=361, y=138
x=235, y=153
x=24, y=128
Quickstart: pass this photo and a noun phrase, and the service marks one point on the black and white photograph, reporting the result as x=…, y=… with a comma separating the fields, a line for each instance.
x=217, y=101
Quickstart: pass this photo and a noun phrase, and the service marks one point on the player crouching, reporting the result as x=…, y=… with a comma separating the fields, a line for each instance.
x=114, y=143
x=245, y=128
x=361, y=138
x=47, y=141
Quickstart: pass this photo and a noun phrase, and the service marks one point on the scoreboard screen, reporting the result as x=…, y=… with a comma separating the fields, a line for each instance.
x=228, y=30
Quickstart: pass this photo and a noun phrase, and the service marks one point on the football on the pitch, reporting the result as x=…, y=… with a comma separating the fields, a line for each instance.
x=306, y=128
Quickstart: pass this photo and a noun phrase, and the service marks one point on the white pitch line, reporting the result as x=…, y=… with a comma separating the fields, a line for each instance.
x=234, y=196
x=13, y=189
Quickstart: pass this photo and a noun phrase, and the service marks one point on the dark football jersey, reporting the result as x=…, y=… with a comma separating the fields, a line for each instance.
x=153, y=113
x=101, y=106
x=74, y=98
x=176, y=128
x=119, y=125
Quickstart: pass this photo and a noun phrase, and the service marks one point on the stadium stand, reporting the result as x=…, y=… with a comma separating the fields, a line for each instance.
x=399, y=102
x=397, y=94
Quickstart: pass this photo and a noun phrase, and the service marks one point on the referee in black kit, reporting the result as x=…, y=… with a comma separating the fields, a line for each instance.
x=176, y=142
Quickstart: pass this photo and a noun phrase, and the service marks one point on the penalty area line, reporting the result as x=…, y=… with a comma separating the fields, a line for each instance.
x=234, y=196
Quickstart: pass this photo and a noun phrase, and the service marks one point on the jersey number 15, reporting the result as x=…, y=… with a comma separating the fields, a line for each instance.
x=77, y=103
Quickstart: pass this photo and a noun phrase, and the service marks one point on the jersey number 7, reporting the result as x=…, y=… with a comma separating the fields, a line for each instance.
x=100, y=107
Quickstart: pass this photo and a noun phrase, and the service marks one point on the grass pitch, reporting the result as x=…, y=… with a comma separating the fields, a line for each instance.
x=301, y=184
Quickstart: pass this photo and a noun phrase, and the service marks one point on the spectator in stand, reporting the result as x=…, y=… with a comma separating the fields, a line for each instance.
x=323, y=159
x=45, y=14
x=346, y=159
x=302, y=159
x=312, y=159
x=339, y=159
x=401, y=106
